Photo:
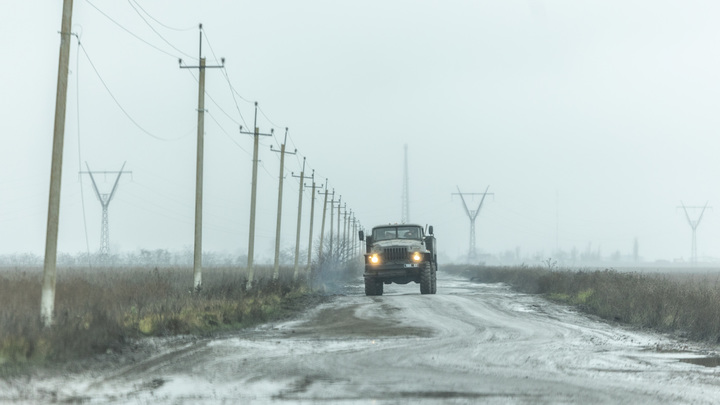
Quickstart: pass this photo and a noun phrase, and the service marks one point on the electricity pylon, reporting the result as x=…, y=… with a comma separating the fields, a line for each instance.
x=694, y=224
x=406, y=192
x=105, y=202
x=472, y=253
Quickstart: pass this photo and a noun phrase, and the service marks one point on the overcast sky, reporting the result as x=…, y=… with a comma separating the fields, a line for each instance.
x=590, y=121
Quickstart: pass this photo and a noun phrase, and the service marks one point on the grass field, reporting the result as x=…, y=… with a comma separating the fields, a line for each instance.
x=684, y=302
x=99, y=310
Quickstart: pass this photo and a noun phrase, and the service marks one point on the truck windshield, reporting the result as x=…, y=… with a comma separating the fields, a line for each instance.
x=399, y=232
x=384, y=233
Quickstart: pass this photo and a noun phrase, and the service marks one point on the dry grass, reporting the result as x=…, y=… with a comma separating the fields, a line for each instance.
x=687, y=304
x=99, y=310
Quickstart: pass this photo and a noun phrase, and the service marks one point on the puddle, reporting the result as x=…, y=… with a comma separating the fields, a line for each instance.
x=703, y=361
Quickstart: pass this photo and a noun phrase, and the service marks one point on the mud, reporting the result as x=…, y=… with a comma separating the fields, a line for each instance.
x=332, y=322
x=470, y=343
x=703, y=361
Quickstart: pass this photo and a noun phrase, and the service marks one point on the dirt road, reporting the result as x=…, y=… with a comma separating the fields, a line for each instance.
x=470, y=343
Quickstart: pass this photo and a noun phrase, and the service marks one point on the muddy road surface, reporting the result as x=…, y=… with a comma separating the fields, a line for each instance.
x=470, y=343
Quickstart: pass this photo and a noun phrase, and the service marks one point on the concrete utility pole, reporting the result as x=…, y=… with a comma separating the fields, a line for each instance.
x=406, y=192
x=332, y=223
x=47, y=303
x=353, y=238
x=339, y=218
x=299, y=219
x=105, y=202
x=322, y=227
x=276, y=271
x=472, y=215
x=253, y=197
x=197, y=257
x=694, y=224
x=345, y=229
x=312, y=219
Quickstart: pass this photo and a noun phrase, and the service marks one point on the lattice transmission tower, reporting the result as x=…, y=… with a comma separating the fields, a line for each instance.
x=694, y=224
x=472, y=215
x=406, y=192
x=105, y=199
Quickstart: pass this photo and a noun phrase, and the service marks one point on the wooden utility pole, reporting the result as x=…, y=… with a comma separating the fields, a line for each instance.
x=312, y=218
x=253, y=197
x=197, y=256
x=299, y=219
x=276, y=271
x=47, y=303
x=322, y=226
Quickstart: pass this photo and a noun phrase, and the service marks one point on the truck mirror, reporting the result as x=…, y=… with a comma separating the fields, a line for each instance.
x=430, y=229
x=362, y=235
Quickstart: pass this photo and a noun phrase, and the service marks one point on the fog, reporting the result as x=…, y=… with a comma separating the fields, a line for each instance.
x=590, y=121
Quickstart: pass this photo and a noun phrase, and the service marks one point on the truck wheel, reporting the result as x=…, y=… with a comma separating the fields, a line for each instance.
x=434, y=279
x=373, y=287
x=426, y=275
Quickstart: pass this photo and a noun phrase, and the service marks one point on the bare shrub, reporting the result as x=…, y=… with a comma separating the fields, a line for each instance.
x=98, y=310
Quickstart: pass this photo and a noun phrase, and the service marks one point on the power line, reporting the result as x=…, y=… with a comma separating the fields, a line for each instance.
x=241, y=97
x=234, y=92
x=271, y=122
x=121, y=107
x=218, y=105
x=130, y=32
x=155, y=31
x=82, y=188
x=227, y=78
x=159, y=22
x=227, y=134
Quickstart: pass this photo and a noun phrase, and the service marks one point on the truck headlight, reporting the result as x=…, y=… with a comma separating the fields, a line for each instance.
x=374, y=259
x=416, y=256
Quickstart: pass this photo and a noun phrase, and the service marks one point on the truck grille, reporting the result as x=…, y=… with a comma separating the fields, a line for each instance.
x=395, y=253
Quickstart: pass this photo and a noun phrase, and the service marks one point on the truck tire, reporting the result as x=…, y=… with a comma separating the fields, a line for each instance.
x=426, y=278
x=434, y=279
x=373, y=287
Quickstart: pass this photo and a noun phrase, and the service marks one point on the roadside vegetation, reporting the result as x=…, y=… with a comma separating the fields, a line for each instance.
x=686, y=304
x=101, y=309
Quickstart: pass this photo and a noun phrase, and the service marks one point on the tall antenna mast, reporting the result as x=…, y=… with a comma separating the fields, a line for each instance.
x=694, y=224
x=105, y=202
x=405, y=192
x=472, y=215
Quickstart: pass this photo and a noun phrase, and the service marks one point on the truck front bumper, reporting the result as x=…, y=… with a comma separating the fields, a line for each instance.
x=393, y=271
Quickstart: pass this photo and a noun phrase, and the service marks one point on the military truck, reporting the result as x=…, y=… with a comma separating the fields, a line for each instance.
x=400, y=254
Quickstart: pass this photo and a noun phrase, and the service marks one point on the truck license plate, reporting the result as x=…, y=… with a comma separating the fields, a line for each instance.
x=410, y=265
